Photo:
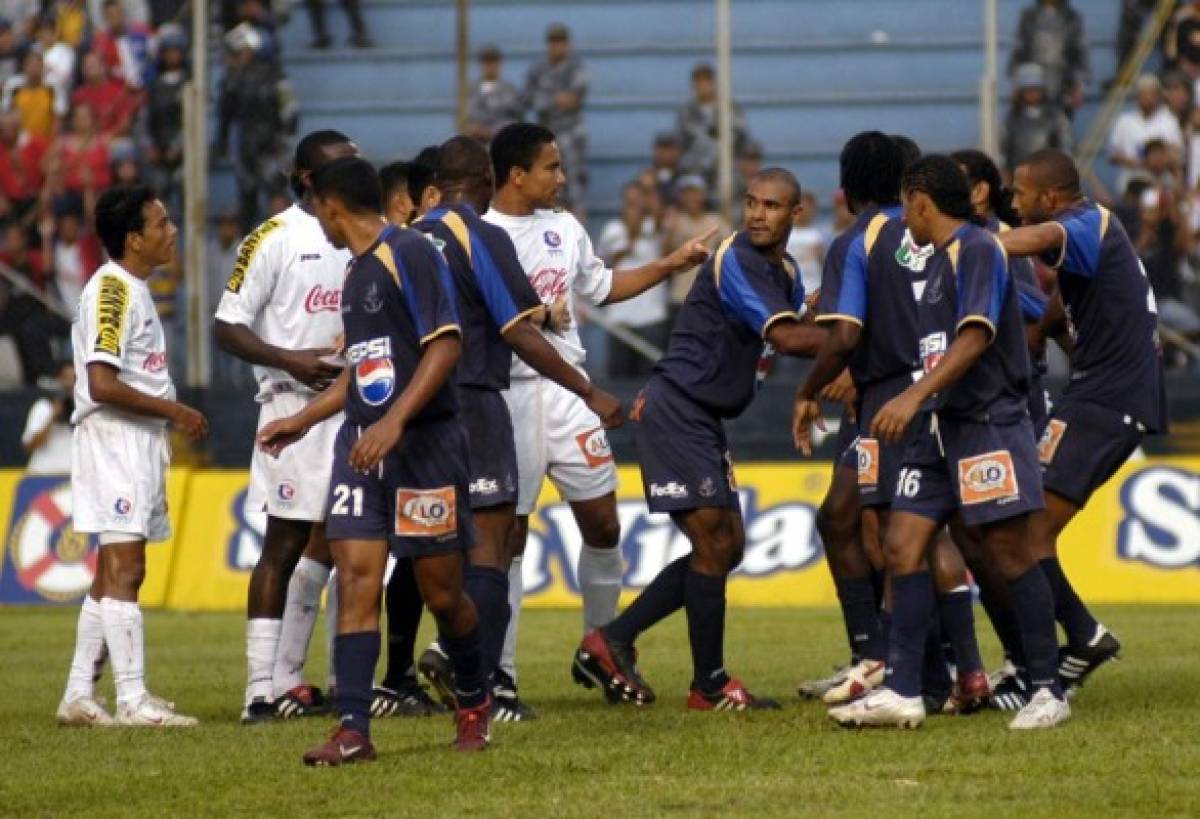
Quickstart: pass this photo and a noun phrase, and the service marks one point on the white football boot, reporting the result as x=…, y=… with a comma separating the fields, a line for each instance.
x=883, y=707
x=859, y=679
x=1044, y=711
x=815, y=689
x=153, y=712
x=83, y=712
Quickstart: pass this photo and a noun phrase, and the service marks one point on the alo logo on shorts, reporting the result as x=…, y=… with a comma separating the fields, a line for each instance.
x=426, y=513
x=286, y=491
x=594, y=446
x=987, y=477
x=376, y=380
x=868, y=461
x=933, y=348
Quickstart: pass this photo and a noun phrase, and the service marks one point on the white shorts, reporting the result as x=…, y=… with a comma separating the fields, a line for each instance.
x=557, y=436
x=119, y=477
x=294, y=486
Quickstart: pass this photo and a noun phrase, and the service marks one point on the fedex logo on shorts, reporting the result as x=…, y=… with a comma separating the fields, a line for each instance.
x=674, y=489
x=1160, y=522
x=933, y=348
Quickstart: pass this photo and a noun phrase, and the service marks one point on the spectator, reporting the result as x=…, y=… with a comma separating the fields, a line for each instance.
x=1150, y=119
x=81, y=155
x=1033, y=122
x=1129, y=28
x=1162, y=167
x=843, y=217
x=1182, y=40
x=691, y=218
x=632, y=241
x=41, y=106
x=124, y=47
x=127, y=171
x=22, y=315
x=1178, y=94
x=58, y=58
x=806, y=244
x=256, y=15
x=113, y=104
x=698, y=130
x=747, y=162
x=664, y=170
x=494, y=102
x=72, y=249
x=358, y=29
x=22, y=158
x=137, y=12
x=250, y=105
x=1162, y=244
x=1050, y=33
x=23, y=15
x=10, y=52
x=164, y=119
x=278, y=202
x=555, y=90
x=47, y=435
x=70, y=22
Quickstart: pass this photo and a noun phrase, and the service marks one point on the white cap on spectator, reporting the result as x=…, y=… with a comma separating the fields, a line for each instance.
x=243, y=36
x=1148, y=82
x=691, y=181
x=1029, y=75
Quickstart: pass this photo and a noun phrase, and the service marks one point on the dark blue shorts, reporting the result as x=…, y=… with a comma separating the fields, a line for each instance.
x=1039, y=406
x=493, y=451
x=878, y=463
x=1083, y=445
x=682, y=451
x=845, y=452
x=986, y=472
x=416, y=498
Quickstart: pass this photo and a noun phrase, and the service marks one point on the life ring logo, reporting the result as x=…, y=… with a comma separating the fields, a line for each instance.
x=287, y=491
x=552, y=238
x=51, y=559
x=122, y=507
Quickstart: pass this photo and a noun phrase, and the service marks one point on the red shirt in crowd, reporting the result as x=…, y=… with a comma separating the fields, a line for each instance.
x=78, y=156
x=113, y=105
x=21, y=174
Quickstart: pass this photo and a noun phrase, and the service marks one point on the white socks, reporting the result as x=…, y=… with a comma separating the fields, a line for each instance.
x=262, y=642
x=299, y=618
x=331, y=615
x=600, y=573
x=90, y=652
x=126, y=646
x=516, y=592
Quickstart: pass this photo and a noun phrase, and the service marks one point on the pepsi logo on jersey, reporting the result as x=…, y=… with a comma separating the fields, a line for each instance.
x=376, y=380
x=319, y=300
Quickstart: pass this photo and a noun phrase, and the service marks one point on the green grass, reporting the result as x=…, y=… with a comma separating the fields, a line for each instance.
x=1132, y=748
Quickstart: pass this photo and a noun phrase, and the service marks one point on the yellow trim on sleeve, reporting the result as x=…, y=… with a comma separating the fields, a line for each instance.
x=975, y=319
x=824, y=317
x=1000, y=244
x=1062, y=253
x=520, y=317
x=460, y=230
x=952, y=250
x=719, y=257
x=780, y=316
x=386, y=257
x=441, y=331
x=1005, y=227
x=1105, y=216
x=872, y=232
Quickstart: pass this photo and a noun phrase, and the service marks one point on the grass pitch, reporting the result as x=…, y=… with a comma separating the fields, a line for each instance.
x=1131, y=749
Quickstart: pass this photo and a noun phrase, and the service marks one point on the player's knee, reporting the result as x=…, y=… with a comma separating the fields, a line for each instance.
x=443, y=602
x=604, y=533
x=898, y=554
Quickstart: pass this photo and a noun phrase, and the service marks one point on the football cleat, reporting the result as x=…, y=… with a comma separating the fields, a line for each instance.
x=1076, y=664
x=302, y=701
x=153, y=712
x=1043, y=711
x=258, y=710
x=883, y=708
x=733, y=696
x=1010, y=691
x=506, y=705
x=472, y=727
x=611, y=667
x=343, y=747
x=971, y=693
x=435, y=666
x=815, y=689
x=83, y=712
x=411, y=700
x=857, y=680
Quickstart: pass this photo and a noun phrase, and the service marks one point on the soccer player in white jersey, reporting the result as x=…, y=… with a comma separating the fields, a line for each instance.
x=124, y=400
x=281, y=312
x=557, y=435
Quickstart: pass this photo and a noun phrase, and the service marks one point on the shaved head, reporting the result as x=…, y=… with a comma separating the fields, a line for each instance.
x=782, y=176
x=1051, y=169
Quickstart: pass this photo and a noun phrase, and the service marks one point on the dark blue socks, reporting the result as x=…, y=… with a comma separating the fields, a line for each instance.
x=861, y=613
x=354, y=659
x=662, y=598
x=704, y=598
x=470, y=679
x=403, y=619
x=488, y=587
x=1069, y=610
x=1034, y=607
x=912, y=611
x=957, y=619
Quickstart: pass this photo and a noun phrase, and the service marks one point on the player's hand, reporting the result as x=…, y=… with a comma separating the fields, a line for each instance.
x=278, y=435
x=842, y=391
x=559, y=318
x=805, y=413
x=692, y=252
x=379, y=439
x=307, y=367
x=190, y=422
x=607, y=406
x=895, y=416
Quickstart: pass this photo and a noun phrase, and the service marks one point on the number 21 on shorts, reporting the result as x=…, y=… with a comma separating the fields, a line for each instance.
x=343, y=498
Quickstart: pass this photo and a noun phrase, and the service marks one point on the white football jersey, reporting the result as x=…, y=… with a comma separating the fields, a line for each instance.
x=287, y=287
x=558, y=258
x=116, y=324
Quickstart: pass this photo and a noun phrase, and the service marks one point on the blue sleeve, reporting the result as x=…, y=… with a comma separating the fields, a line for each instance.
x=1081, y=248
x=502, y=282
x=844, y=284
x=748, y=295
x=982, y=279
x=428, y=291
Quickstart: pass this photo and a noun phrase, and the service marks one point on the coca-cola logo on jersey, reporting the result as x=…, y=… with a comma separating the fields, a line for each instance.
x=319, y=300
x=549, y=282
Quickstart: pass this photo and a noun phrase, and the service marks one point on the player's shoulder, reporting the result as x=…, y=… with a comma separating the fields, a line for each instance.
x=108, y=281
x=979, y=242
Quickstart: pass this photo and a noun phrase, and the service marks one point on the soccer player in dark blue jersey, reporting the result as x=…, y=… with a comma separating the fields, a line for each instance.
x=400, y=459
x=973, y=454
x=497, y=306
x=1116, y=394
x=745, y=304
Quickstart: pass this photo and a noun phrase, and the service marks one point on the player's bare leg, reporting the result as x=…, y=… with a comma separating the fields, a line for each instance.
x=956, y=621
x=1089, y=644
x=292, y=698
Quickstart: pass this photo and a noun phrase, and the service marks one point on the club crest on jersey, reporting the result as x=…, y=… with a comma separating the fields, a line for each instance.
x=376, y=380
x=286, y=491
x=373, y=302
x=912, y=255
x=552, y=239
x=122, y=507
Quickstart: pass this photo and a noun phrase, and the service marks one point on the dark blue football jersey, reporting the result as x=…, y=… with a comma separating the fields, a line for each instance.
x=492, y=291
x=1117, y=360
x=717, y=352
x=397, y=297
x=969, y=284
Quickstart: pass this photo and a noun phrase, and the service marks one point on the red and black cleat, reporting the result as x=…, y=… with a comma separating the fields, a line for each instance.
x=343, y=747
x=302, y=701
x=971, y=693
x=611, y=667
x=472, y=727
x=732, y=697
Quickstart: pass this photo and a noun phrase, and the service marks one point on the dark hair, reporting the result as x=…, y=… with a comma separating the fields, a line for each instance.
x=351, y=180
x=1155, y=144
x=422, y=173
x=461, y=159
x=943, y=180
x=980, y=168
x=871, y=165
x=516, y=146
x=121, y=211
x=780, y=175
x=703, y=70
x=1054, y=170
x=909, y=149
x=310, y=154
x=392, y=177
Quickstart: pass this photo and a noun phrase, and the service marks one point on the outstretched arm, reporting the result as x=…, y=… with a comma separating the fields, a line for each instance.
x=629, y=283
x=533, y=348
x=1033, y=240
